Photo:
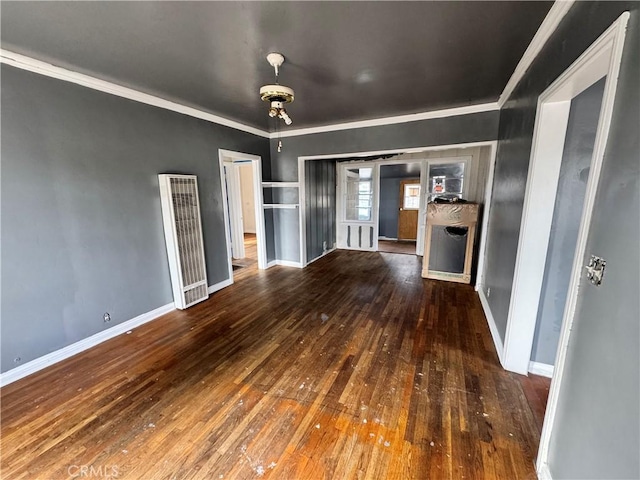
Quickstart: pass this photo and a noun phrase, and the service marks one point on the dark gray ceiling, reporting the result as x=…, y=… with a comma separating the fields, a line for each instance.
x=346, y=60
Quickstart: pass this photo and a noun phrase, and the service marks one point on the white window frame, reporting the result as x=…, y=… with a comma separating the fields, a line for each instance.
x=466, y=159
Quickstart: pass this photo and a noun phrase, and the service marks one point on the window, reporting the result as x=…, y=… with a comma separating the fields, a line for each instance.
x=359, y=201
x=446, y=180
x=411, y=199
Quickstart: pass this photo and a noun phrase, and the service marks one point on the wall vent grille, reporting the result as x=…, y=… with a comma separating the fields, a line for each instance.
x=183, y=236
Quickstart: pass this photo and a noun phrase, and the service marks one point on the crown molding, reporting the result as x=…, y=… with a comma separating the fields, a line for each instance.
x=377, y=122
x=43, y=68
x=548, y=26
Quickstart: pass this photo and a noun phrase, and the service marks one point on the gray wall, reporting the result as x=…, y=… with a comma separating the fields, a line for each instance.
x=442, y=131
x=567, y=212
x=390, y=205
x=582, y=26
x=80, y=199
x=320, y=202
x=596, y=432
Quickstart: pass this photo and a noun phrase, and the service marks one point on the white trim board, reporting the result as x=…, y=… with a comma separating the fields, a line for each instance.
x=324, y=254
x=288, y=263
x=549, y=25
x=377, y=122
x=80, y=346
x=397, y=151
x=47, y=69
x=30, y=64
x=52, y=358
x=493, y=328
x=542, y=369
x=284, y=263
x=220, y=285
x=486, y=208
x=544, y=473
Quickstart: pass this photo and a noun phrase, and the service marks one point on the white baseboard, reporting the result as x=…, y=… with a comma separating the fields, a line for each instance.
x=497, y=341
x=288, y=263
x=284, y=263
x=86, y=343
x=387, y=238
x=220, y=285
x=544, y=473
x=324, y=254
x=542, y=369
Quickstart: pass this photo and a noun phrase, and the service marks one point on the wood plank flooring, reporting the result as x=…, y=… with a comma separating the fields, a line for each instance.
x=407, y=247
x=353, y=368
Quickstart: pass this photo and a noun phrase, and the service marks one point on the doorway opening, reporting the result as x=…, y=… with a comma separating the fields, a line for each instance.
x=399, y=207
x=241, y=180
x=357, y=228
x=249, y=254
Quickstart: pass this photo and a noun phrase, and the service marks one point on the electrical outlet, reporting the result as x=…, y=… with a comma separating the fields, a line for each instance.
x=488, y=292
x=106, y=317
x=17, y=360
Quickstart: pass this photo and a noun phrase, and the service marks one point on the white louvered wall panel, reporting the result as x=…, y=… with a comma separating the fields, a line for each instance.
x=183, y=236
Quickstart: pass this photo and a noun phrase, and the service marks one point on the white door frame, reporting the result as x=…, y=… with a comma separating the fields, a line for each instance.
x=256, y=165
x=493, y=144
x=601, y=59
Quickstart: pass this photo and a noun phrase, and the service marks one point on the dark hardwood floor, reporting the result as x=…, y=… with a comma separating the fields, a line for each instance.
x=354, y=367
x=407, y=247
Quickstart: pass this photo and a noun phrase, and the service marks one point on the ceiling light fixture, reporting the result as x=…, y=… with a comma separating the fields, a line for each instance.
x=275, y=93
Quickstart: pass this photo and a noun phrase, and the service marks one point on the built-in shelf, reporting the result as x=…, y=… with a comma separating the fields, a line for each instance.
x=280, y=184
x=281, y=205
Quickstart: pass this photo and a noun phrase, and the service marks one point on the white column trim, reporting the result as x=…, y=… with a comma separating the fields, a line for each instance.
x=548, y=26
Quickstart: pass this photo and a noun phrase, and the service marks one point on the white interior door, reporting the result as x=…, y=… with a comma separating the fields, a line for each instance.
x=358, y=187
x=234, y=203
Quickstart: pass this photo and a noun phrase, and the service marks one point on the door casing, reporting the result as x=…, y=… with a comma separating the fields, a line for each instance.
x=601, y=59
x=256, y=164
